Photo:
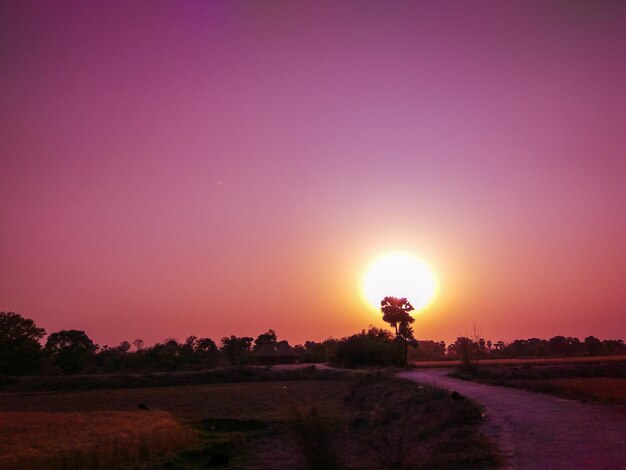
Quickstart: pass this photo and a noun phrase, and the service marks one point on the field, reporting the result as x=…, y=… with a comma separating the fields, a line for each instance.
x=254, y=400
x=529, y=361
x=600, y=379
x=607, y=390
x=367, y=422
x=98, y=440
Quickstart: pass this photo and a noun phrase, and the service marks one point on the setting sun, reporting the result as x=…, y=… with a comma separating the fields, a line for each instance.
x=399, y=275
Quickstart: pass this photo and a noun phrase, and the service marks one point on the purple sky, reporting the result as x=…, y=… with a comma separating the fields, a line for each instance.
x=210, y=168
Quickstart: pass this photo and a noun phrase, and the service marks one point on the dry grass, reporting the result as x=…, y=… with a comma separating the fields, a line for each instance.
x=252, y=400
x=88, y=440
x=375, y=423
x=398, y=424
x=600, y=389
x=537, y=361
x=270, y=402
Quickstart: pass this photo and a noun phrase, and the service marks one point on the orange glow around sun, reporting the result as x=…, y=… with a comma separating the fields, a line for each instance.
x=399, y=275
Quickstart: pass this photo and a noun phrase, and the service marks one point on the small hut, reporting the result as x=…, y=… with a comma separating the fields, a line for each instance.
x=275, y=353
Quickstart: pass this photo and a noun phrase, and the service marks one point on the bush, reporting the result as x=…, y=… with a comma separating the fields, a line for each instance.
x=365, y=350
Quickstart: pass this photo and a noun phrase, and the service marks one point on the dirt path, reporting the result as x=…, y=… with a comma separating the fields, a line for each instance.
x=537, y=431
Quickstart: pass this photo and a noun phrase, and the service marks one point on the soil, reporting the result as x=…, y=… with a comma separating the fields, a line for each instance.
x=537, y=431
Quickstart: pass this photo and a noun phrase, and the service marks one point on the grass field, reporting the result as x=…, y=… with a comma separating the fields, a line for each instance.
x=608, y=390
x=597, y=379
x=95, y=440
x=367, y=423
x=537, y=361
x=254, y=400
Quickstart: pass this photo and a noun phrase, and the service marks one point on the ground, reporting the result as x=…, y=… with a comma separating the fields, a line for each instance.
x=537, y=431
x=363, y=421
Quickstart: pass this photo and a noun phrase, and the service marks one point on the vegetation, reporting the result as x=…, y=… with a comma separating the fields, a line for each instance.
x=234, y=374
x=355, y=420
x=397, y=312
x=89, y=440
x=237, y=350
x=70, y=349
x=20, y=351
x=269, y=337
x=73, y=352
x=605, y=390
x=598, y=382
x=396, y=424
x=374, y=347
x=536, y=347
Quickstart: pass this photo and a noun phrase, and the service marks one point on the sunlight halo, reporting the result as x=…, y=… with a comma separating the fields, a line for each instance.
x=399, y=275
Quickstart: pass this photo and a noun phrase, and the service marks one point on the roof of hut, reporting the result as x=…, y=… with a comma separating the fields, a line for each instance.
x=281, y=349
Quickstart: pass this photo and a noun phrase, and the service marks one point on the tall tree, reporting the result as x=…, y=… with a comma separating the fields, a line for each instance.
x=199, y=351
x=206, y=352
x=20, y=350
x=70, y=349
x=236, y=349
x=269, y=337
x=397, y=312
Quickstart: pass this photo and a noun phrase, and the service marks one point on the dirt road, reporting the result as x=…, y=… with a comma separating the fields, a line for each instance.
x=537, y=431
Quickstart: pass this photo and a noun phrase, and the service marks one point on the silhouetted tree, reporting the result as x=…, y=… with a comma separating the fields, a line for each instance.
x=482, y=344
x=319, y=352
x=467, y=351
x=396, y=312
x=558, y=345
x=593, y=345
x=114, y=358
x=199, y=351
x=269, y=337
x=614, y=346
x=379, y=334
x=70, y=349
x=166, y=355
x=206, y=352
x=20, y=351
x=372, y=347
x=526, y=347
x=428, y=351
x=236, y=350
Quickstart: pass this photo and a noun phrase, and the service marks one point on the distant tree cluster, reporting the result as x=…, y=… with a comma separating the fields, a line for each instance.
x=535, y=347
x=377, y=346
x=20, y=350
x=72, y=351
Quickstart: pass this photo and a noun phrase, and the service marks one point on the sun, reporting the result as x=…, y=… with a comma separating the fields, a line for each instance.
x=400, y=275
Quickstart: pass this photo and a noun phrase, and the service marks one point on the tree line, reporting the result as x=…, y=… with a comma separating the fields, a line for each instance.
x=23, y=352
x=536, y=347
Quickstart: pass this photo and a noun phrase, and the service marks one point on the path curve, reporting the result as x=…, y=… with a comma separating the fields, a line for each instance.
x=537, y=431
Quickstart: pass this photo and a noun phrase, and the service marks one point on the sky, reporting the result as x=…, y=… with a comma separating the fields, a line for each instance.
x=217, y=168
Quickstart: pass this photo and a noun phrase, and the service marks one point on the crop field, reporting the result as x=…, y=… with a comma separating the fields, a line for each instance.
x=370, y=422
x=611, y=390
x=599, y=379
x=254, y=400
x=98, y=440
x=528, y=361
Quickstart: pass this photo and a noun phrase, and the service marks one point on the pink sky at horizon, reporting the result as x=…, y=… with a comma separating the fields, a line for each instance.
x=217, y=168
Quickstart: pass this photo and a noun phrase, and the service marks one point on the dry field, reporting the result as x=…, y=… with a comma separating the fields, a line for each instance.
x=254, y=400
x=105, y=429
x=537, y=361
x=369, y=423
x=597, y=389
x=598, y=379
x=95, y=440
